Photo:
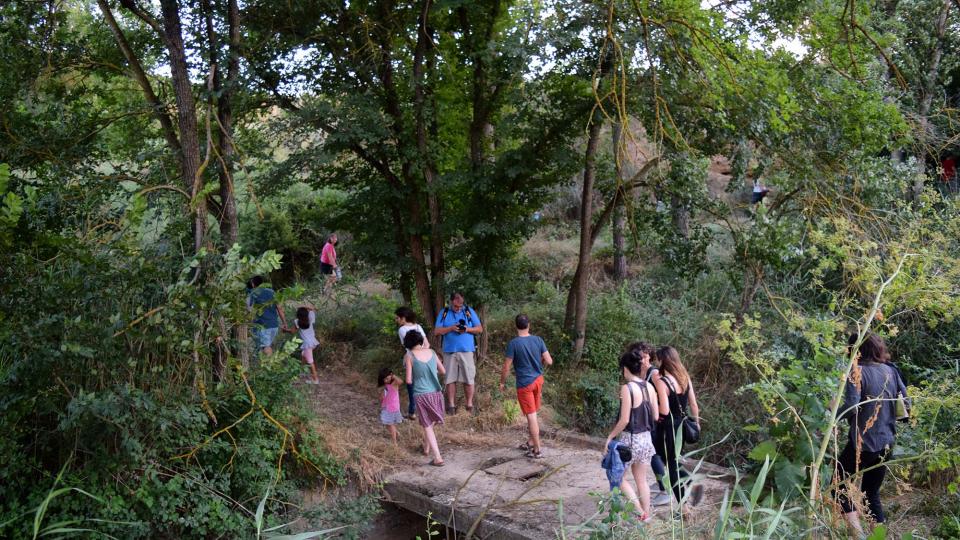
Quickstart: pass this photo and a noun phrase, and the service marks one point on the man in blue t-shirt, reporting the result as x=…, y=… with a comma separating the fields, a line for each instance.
x=266, y=324
x=528, y=354
x=457, y=325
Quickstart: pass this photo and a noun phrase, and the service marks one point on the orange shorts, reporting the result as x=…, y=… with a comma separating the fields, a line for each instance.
x=529, y=396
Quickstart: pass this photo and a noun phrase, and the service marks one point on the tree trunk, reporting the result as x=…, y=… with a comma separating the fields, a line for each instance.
x=420, y=278
x=926, y=95
x=578, y=290
x=406, y=291
x=229, y=224
x=220, y=99
x=421, y=93
x=681, y=217
x=413, y=192
x=186, y=117
x=485, y=335
x=619, y=214
x=140, y=76
x=751, y=283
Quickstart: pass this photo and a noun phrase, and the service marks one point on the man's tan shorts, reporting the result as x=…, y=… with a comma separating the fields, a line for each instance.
x=460, y=367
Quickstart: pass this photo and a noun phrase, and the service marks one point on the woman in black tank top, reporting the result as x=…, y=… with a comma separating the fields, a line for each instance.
x=636, y=420
x=679, y=395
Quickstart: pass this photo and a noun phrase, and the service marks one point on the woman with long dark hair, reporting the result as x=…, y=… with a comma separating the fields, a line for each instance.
x=680, y=395
x=638, y=406
x=869, y=404
x=423, y=370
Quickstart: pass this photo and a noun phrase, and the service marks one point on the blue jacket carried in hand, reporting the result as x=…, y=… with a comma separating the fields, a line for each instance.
x=614, y=467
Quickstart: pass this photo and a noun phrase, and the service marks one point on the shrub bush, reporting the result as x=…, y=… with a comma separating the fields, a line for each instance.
x=587, y=399
x=109, y=379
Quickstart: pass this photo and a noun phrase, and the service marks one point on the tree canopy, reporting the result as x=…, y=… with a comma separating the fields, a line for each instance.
x=156, y=155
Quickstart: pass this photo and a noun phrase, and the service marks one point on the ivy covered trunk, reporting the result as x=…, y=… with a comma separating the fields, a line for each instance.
x=577, y=299
x=619, y=212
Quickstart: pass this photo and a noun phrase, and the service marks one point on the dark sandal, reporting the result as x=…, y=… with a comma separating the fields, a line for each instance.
x=436, y=464
x=469, y=408
x=526, y=446
x=696, y=494
x=451, y=410
x=534, y=454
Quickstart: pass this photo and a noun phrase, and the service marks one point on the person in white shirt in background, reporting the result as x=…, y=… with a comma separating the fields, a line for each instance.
x=306, y=318
x=406, y=321
x=759, y=191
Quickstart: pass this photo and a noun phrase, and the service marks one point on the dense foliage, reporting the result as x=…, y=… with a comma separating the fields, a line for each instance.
x=155, y=155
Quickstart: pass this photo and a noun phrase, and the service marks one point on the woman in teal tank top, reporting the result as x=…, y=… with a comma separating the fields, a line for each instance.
x=423, y=367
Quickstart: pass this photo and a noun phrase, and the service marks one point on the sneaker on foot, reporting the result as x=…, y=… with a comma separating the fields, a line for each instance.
x=660, y=499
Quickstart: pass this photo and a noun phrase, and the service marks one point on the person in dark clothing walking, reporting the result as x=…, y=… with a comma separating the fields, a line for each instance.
x=645, y=352
x=869, y=405
x=680, y=395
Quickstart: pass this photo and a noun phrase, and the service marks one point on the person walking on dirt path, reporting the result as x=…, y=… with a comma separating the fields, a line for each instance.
x=645, y=351
x=422, y=369
x=389, y=402
x=457, y=325
x=266, y=324
x=406, y=321
x=306, y=318
x=869, y=405
x=638, y=405
x=527, y=353
x=328, y=263
x=680, y=394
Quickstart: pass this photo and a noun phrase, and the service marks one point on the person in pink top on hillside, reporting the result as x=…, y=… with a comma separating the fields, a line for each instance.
x=390, y=414
x=328, y=263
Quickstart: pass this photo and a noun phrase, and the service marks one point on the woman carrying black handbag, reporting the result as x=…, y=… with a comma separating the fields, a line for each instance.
x=680, y=395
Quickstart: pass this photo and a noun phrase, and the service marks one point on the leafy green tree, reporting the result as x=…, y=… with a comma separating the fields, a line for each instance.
x=435, y=131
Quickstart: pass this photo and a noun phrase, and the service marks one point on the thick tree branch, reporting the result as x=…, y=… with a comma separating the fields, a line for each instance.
x=144, y=16
x=140, y=76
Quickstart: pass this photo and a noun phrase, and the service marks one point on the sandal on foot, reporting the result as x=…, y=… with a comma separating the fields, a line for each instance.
x=535, y=454
x=436, y=463
x=451, y=409
x=526, y=446
x=469, y=408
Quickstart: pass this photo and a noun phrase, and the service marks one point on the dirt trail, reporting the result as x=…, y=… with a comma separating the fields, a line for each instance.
x=485, y=472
